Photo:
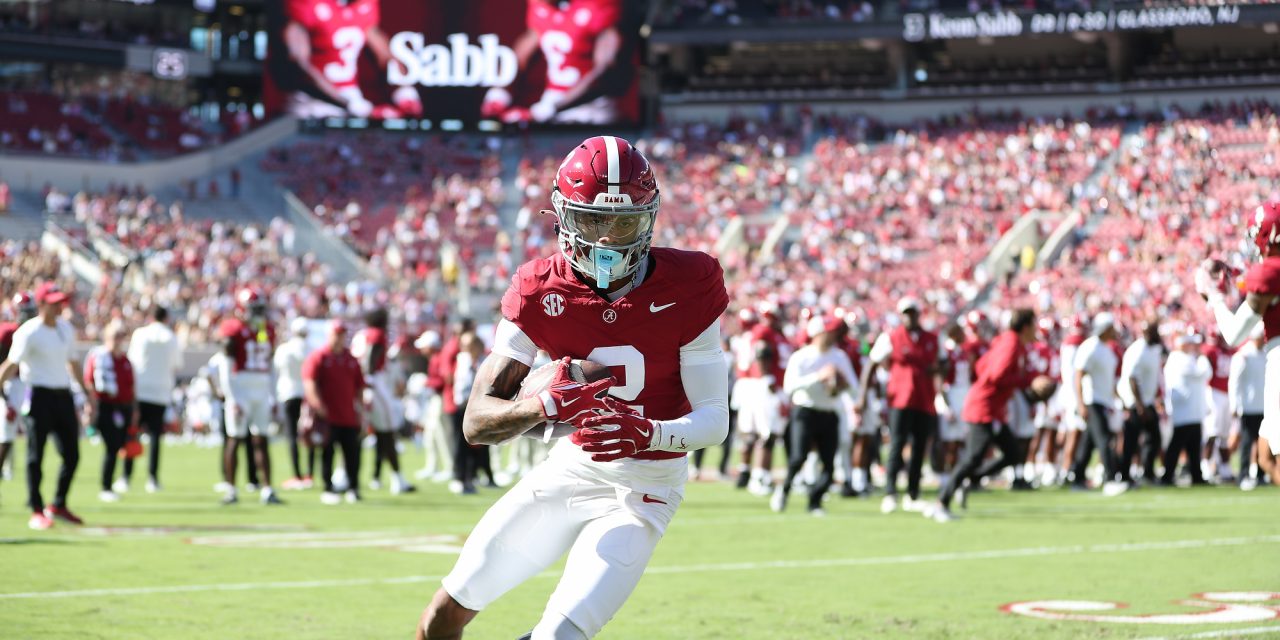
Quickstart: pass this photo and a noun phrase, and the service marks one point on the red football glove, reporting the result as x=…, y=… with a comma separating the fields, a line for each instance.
x=568, y=400
x=620, y=434
x=10, y=415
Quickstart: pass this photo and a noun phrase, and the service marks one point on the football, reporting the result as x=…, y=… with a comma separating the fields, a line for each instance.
x=1042, y=388
x=539, y=379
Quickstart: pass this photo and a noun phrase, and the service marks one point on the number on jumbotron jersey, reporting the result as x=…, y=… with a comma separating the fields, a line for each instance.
x=556, y=46
x=349, y=41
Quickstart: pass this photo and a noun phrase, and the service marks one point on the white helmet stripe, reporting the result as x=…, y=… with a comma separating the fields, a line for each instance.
x=615, y=169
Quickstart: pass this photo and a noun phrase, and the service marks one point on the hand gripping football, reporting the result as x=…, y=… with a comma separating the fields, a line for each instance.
x=538, y=380
x=1042, y=388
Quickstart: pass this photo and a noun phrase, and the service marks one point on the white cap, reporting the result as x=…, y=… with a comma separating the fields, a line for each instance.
x=1190, y=336
x=299, y=326
x=428, y=340
x=815, y=326
x=1102, y=322
x=908, y=303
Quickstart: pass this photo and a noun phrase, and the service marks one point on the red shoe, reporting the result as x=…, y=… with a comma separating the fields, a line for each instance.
x=39, y=521
x=62, y=513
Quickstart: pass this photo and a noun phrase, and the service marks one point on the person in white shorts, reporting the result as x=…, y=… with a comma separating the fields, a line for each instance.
x=1071, y=426
x=371, y=348
x=1220, y=429
x=246, y=380
x=958, y=377
x=608, y=491
x=13, y=395
x=760, y=404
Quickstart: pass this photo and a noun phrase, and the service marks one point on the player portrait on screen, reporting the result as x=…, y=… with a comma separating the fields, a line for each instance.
x=587, y=48
x=324, y=41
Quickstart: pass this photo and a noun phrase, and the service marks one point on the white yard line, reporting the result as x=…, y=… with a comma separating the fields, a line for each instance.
x=682, y=569
x=1225, y=633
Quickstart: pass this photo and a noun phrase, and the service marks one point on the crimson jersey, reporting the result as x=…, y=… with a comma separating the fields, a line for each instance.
x=568, y=36
x=337, y=34
x=638, y=336
x=1042, y=360
x=1220, y=361
x=781, y=350
x=852, y=347
x=6, y=338
x=250, y=350
x=370, y=341
x=1263, y=279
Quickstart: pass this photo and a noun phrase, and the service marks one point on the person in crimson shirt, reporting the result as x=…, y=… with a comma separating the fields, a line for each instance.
x=108, y=378
x=250, y=343
x=585, y=53
x=333, y=386
x=1218, y=425
x=447, y=366
x=14, y=394
x=914, y=358
x=1262, y=292
x=998, y=375
x=323, y=41
x=607, y=492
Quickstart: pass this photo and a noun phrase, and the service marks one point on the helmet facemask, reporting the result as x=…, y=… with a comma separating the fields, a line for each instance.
x=627, y=227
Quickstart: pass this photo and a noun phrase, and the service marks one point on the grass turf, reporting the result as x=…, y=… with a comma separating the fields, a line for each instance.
x=177, y=564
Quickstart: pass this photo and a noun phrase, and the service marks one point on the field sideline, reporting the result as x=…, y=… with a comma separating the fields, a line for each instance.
x=176, y=564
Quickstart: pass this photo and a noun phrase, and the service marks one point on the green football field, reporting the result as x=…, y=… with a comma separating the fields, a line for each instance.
x=178, y=565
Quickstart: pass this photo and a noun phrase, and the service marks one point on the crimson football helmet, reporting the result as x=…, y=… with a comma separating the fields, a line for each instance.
x=605, y=199
x=251, y=301
x=24, y=305
x=1265, y=230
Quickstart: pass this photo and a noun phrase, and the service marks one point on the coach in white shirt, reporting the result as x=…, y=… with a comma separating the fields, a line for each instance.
x=815, y=376
x=1244, y=390
x=1095, y=384
x=41, y=354
x=1139, y=391
x=287, y=363
x=1186, y=377
x=153, y=352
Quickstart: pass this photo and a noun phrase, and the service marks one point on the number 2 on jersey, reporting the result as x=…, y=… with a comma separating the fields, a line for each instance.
x=632, y=363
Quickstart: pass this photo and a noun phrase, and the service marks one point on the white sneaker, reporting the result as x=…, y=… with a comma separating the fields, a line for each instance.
x=1114, y=488
x=818, y=513
x=455, y=487
x=940, y=513
x=1248, y=484
x=375, y=484
x=221, y=487
x=250, y=487
x=889, y=504
x=779, y=501
x=442, y=476
x=108, y=496
x=352, y=497
x=913, y=505
x=340, y=481
x=120, y=486
x=152, y=485
x=423, y=474
x=330, y=498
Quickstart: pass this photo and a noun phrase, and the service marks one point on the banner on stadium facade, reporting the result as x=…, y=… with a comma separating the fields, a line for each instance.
x=939, y=26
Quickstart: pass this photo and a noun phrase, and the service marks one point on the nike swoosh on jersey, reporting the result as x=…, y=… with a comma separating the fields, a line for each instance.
x=655, y=308
x=650, y=499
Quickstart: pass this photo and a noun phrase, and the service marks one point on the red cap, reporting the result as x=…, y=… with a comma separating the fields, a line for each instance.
x=50, y=293
x=336, y=327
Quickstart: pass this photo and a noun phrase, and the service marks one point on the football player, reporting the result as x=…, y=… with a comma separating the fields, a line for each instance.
x=1218, y=424
x=250, y=341
x=1048, y=413
x=957, y=376
x=607, y=492
x=325, y=39
x=13, y=394
x=582, y=47
x=1262, y=291
x=370, y=348
x=1071, y=425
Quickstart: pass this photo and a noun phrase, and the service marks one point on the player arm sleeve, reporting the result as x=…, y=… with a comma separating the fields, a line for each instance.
x=792, y=378
x=510, y=341
x=1233, y=385
x=882, y=349
x=705, y=376
x=1235, y=327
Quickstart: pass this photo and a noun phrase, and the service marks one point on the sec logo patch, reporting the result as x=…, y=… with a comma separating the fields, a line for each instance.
x=553, y=304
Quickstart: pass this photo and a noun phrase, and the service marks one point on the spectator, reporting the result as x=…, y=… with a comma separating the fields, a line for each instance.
x=815, y=376
x=1186, y=376
x=912, y=355
x=333, y=386
x=155, y=356
x=290, y=392
x=1139, y=391
x=109, y=380
x=43, y=344
x=1095, y=369
x=435, y=433
x=1248, y=372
